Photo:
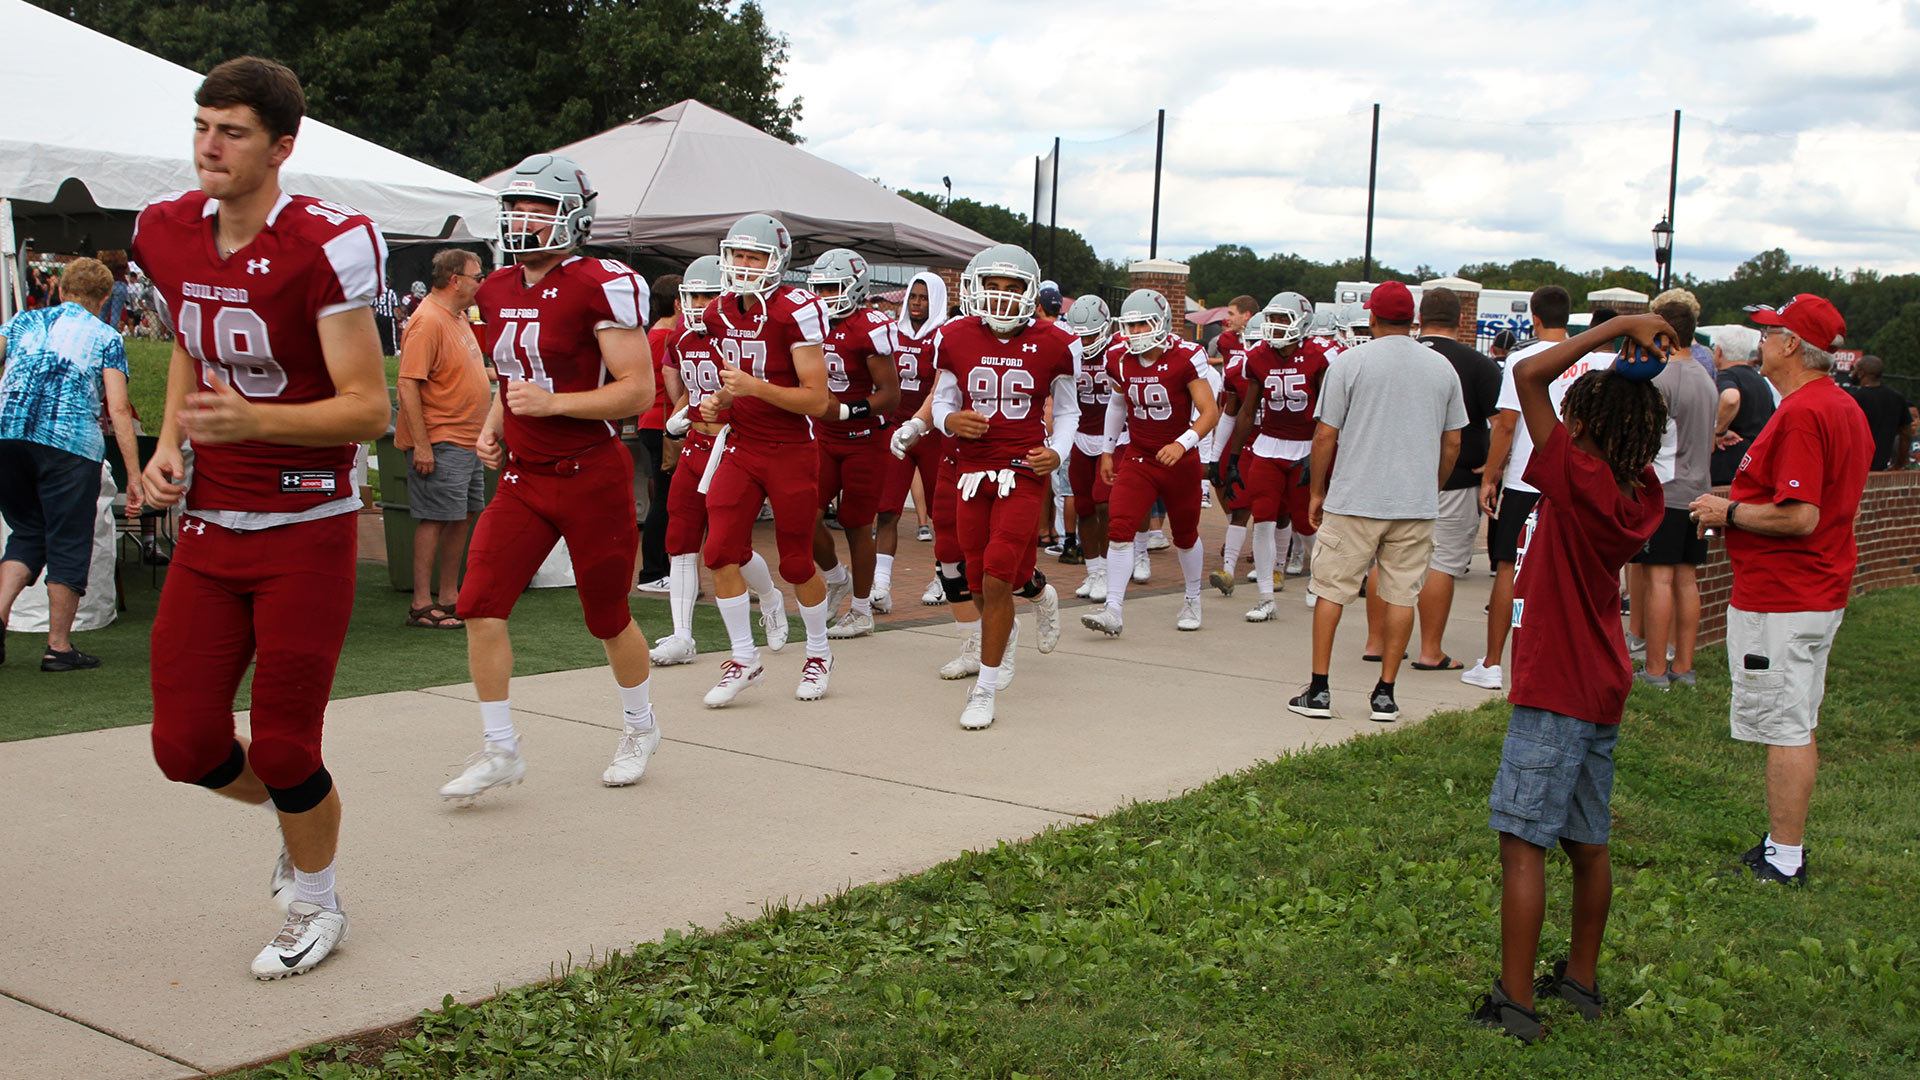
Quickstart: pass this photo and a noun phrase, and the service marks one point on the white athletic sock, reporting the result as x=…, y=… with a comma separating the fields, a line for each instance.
x=1097, y=566
x=968, y=629
x=989, y=679
x=1121, y=555
x=1059, y=517
x=1192, y=559
x=683, y=579
x=636, y=704
x=1157, y=534
x=1230, y=557
x=1265, y=543
x=1139, y=543
x=863, y=605
x=497, y=718
x=883, y=573
x=315, y=888
x=839, y=575
x=815, y=620
x=737, y=613
x=1787, y=860
x=758, y=576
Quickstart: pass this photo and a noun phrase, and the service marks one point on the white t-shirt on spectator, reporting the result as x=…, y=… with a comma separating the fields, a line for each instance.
x=1556, y=392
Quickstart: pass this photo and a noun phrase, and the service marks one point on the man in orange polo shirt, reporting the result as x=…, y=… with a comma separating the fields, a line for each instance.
x=444, y=397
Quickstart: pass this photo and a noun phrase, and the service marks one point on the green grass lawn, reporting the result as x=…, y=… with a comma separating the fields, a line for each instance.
x=380, y=654
x=147, y=363
x=1331, y=914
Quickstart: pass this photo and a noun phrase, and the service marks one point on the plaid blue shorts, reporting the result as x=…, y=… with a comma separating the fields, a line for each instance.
x=1556, y=779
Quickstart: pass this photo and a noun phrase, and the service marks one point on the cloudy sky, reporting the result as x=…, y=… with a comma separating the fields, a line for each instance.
x=1508, y=129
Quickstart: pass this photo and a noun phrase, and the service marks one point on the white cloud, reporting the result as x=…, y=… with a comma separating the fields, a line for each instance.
x=1509, y=129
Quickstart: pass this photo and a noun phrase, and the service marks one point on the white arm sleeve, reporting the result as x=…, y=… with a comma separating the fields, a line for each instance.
x=946, y=399
x=1066, y=414
x=1222, y=437
x=1116, y=419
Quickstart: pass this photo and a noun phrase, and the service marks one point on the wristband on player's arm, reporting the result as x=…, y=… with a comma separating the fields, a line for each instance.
x=856, y=410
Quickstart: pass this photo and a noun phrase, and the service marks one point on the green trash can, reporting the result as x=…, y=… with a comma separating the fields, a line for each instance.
x=396, y=520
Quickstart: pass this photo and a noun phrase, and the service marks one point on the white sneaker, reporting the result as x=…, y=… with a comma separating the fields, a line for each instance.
x=673, y=650
x=1142, y=569
x=1189, y=618
x=967, y=663
x=1046, y=618
x=734, y=677
x=837, y=595
x=630, y=757
x=280, y=886
x=979, y=711
x=933, y=595
x=1102, y=619
x=851, y=625
x=1262, y=612
x=1483, y=675
x=1098, y=593
x=1297, y=562
x=658, y=585
x=1253, y=577
x=1007, y=658
x=1157, y=541
x=310, y=935
x=1636, y=646
x=1086, y=586
x=813, y=678
x=925, y=535
x=490, y=767
x=883, y=600
x=773, y=621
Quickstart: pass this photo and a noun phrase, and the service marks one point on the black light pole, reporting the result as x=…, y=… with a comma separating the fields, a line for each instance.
x=1663, y=254
x=1373, y=171
x=1033, y=223
x=1053, y=211
x=1159, y=152
x=1673, y=187
x=948, y=181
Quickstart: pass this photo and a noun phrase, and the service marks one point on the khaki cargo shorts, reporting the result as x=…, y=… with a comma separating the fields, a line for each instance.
x=1345, y=547
x=1779, y=704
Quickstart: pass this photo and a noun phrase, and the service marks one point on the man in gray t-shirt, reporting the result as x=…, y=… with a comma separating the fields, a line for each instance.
x=1390, y=415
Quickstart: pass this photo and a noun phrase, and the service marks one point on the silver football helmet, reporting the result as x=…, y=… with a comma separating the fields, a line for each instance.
x=1090, y=318
x=1323, y=324
x=554, y=179
x=759, y=233
x=699, y=285
x=839, y=279
x=1355, y=324
x=1254, y=332
x=1288, y=315
x=1146, y=321
x=1003, y=310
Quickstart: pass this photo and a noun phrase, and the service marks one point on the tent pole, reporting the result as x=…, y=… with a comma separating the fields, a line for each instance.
x=11, y=297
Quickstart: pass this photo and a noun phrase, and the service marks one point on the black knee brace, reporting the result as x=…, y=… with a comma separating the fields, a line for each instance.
x=305, y=795
x=1033, y=586
x=955, y=584
x=226, y=772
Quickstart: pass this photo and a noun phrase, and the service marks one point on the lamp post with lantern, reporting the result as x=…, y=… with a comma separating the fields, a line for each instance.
x=1663, y=253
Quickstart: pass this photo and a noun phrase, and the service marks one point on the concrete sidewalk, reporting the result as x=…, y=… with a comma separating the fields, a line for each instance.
x=133, y=905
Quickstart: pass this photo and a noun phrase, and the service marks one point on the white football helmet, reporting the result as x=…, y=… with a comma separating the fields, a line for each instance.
x=1254, y=332
x=1003, y=310
x=1355, y=323
x=761, y=233
x=699, y=285
x=554, y=179
x=1090, y=318
x=839, y=279
x=1288, y=315
x=1150, y=318
x=1323, y=325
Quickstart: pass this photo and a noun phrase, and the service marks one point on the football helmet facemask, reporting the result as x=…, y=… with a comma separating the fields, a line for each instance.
x=1089, y=317
x=554, y=179
x=839, y=279
x=698, y=286
x=759, y=233
x=1003, y=310
x=1287, y=317
x=1146, y=321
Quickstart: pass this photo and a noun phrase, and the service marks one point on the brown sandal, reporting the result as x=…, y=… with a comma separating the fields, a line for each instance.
x=434, y=617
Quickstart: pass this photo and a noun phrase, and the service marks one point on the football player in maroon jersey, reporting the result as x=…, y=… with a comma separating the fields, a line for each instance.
x=1233, y=343
x=853, y=447
x=773, y=379
x=1274, y=435
x=923, y=313
x=1163, y=401
x=994, y=366
x=568, y=338
x=691, y=372
x=1089, y=318
x=276, y=375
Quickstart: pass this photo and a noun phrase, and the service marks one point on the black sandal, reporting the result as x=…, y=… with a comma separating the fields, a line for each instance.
x=71, y=660
x=434, y=617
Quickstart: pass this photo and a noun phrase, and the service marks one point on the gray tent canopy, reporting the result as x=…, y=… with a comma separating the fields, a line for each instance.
x=671, y=182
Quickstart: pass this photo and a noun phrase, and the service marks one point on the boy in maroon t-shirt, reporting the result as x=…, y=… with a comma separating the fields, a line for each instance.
x=1599, y=502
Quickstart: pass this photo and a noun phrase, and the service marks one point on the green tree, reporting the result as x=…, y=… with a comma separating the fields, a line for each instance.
x=1076, y=267
x=1898, y=341
x=472, y=87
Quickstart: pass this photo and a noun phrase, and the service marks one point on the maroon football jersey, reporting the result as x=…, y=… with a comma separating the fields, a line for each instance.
x=1289, y=387
x=1006, y=381
x=1094, y=391
x=252, y=320
x=697, y=359
x=1232, y=349
x=914, y=356
x=545, y=334
x=759, y=338
x=1159, y=400
x=850, y=343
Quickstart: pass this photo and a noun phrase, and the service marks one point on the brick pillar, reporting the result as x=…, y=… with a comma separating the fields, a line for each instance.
x=1469, y=294
x=1169, y=279
x=951, y=278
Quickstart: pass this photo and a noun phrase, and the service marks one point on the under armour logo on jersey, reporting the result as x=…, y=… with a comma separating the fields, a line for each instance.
x=194, y=526
x=511, y=478
x=549, y=293
x=1027, y=346
x=257, y=266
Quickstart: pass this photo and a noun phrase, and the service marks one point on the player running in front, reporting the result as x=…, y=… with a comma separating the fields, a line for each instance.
x=1163, y=401
x=1089, y=318
x=773, y=379
x=691, y=372
x=994, y=365
x=275, y=376
x=568, y=338
x=853, y=449
x=1274, y=435
x=1242, y=322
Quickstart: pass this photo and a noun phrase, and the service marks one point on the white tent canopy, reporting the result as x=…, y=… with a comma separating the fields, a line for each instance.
x=671, y=182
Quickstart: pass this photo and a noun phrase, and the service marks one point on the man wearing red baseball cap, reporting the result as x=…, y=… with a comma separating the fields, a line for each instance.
x=1789, y=529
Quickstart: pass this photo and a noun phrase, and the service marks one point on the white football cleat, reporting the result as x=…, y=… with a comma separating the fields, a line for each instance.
x=1098, y=593
x=851, y=625
x=934, y=595
x=1142, y=569
x=838, y=595
x=630, y=757
x=773, y=621
x=1262, y=612
x=310, y=935
x=979, y=711
x=280, y=886
x=1279, y=582
x=1297, y=562
x=1007, y=658
x=1086, y=586
x=1222, y=580
x=673, y=650
x=813, y=678
x=1102, y=619
x=1046, y=618
x=967, y=664
x=1189, y=618
x=1483, y=675
x=490, y=767
x=734, y=677
x=882, y=600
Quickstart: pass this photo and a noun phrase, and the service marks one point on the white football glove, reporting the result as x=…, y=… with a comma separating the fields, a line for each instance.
x=679, y=424
x=908, y=434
